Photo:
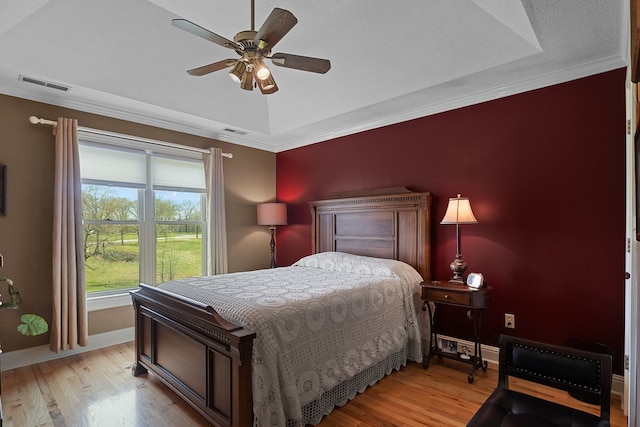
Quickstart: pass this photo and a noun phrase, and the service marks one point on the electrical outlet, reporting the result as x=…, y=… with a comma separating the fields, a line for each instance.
x=509, y=320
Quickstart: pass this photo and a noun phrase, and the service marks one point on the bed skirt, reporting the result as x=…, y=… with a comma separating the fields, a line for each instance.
x=343, y=392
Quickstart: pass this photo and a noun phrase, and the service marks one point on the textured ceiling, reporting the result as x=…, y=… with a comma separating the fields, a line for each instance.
x=391, y=60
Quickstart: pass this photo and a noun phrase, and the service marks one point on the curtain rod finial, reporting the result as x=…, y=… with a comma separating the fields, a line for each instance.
x=36, y=120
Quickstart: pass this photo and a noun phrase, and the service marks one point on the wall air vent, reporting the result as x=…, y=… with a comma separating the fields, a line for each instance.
x=39, y=82
x=239, y=132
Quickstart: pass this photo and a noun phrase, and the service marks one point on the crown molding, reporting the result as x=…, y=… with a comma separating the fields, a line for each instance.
x=180, y=122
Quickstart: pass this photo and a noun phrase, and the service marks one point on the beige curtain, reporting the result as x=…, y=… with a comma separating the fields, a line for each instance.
x=216, y=218
x=69, y=319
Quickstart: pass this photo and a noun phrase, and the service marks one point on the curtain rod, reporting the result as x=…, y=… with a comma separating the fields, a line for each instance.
x=36, y=120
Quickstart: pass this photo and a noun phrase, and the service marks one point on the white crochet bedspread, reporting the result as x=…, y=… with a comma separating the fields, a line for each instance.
x=319, y=322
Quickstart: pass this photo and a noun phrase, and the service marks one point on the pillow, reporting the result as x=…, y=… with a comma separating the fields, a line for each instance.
x=358, y=264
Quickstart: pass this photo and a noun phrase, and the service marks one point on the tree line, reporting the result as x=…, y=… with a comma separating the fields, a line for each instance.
x=100, y=203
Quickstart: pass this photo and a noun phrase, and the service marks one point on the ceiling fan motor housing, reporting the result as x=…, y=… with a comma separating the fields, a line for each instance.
x=246, y=40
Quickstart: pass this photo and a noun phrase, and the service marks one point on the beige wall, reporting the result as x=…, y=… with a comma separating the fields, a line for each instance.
x=25, y=231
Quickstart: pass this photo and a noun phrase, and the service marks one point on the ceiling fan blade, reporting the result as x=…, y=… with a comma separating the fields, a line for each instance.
x=304, y=63
x=210, y=68
x=278, y=23
x=197, y=30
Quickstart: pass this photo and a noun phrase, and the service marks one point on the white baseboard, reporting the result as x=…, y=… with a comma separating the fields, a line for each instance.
x=33, y=355
x=492, y=355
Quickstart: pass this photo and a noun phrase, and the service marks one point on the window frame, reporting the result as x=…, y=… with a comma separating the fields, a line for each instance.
x=146, y=209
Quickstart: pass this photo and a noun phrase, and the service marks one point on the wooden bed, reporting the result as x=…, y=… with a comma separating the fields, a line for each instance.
x=207, y=360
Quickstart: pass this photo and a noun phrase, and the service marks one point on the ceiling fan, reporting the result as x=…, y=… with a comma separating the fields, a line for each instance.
x=253, y=47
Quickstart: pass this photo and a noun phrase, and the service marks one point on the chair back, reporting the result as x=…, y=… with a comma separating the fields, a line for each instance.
x=573, y=370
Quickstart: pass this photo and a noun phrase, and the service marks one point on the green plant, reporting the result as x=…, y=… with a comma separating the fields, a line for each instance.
x=32, y=324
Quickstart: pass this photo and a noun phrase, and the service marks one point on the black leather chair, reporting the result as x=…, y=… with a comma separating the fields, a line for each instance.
x=573, y=370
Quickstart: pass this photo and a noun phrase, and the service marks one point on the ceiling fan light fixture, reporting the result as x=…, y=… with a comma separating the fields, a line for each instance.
x=261, y=70
x=268, y=85
x=238, y=71
x=246, y=82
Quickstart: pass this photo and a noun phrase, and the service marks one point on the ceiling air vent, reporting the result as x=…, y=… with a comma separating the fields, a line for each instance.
x=39, y=82
x=239, y=132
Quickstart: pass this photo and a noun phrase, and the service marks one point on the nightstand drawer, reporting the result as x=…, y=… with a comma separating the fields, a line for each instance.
x=442, y=295
x=456, y=295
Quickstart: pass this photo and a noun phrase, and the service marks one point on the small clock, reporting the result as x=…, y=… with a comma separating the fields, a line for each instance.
x=475, y=280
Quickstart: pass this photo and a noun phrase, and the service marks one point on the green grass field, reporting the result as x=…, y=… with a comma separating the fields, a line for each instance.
x=178, y=255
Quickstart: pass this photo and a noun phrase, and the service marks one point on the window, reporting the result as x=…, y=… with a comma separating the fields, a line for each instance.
x=143, y=213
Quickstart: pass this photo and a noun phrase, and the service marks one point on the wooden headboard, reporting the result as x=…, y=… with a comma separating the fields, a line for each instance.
x=393, y=224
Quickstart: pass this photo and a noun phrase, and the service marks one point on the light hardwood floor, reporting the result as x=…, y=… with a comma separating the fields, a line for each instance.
x=97, y=389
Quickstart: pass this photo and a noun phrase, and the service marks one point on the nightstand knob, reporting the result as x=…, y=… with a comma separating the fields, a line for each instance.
x=446, y=295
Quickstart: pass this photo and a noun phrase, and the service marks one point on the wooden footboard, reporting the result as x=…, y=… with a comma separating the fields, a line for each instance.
x=202, y=357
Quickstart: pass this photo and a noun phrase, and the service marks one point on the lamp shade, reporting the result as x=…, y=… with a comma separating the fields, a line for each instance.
x=260, y=69
x=459, y=212
x=267, y=85
x=237, y=71
x=272, y=214
x=246, y=82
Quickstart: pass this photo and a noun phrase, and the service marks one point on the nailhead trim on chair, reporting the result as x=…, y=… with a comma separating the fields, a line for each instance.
x=553, y=353
x=582, y=373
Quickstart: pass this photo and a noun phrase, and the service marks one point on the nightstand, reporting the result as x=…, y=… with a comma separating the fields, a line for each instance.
x=475, y=300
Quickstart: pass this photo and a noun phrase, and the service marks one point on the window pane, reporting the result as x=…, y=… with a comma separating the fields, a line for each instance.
x=111, y=256
x=178, y=206
x=178, y=252
x=109, y=203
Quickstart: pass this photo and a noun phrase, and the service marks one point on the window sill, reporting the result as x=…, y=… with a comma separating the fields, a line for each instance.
x=108, y=301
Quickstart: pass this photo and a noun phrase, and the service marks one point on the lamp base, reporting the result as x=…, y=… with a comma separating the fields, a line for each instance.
x=272, y=244
x=458, y=267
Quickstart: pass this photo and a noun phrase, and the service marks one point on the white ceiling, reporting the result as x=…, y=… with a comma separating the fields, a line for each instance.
x=391, y=60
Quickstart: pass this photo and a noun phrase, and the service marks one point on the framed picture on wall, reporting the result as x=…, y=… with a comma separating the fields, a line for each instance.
x=3, y=187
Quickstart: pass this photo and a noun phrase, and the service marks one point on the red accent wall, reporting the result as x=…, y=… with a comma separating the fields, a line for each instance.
x=545, y=174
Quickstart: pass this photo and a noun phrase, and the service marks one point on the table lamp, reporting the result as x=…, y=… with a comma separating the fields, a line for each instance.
x=458, y=212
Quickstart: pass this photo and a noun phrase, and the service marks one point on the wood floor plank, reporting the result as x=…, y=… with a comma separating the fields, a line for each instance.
x=98, y=389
